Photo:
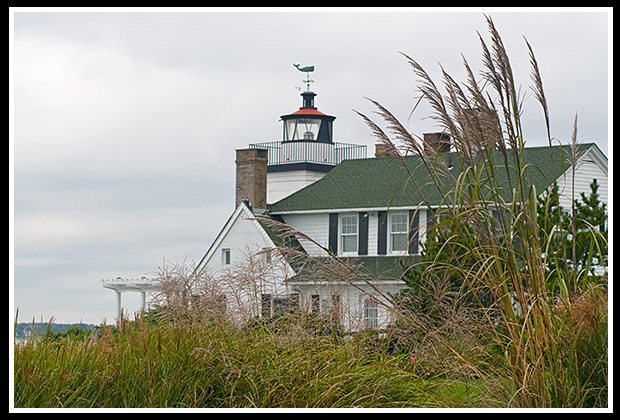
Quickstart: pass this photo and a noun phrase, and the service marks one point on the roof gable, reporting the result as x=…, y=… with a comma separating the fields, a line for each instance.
x=242, y=212
x=265, y=230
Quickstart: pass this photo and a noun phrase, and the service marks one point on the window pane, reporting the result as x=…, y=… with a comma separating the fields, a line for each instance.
x=310, y=129
x=349, y=243
x=398, y=231
x=371, y=313
x=291, y=127
x=349, y=224
x=348, y=231
x=226, y=256
x=399, y=242
x=399, y=223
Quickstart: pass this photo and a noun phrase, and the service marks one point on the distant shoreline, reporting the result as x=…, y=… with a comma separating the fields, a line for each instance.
x=22, y=329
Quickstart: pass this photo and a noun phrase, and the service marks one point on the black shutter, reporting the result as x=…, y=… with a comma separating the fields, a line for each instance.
x=382, y=233
x=333, y=233
x=414, y=222
x=430, y=216
x=363, y=234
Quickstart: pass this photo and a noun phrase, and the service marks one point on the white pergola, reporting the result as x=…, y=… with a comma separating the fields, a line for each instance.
x=120, y=286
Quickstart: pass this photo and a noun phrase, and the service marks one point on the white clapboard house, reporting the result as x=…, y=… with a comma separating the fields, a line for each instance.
x=360, y=208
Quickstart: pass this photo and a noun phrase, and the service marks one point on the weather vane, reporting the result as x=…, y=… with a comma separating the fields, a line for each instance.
x=307, y=70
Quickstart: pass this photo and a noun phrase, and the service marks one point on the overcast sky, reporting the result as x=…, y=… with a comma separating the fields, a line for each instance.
x=125, y=124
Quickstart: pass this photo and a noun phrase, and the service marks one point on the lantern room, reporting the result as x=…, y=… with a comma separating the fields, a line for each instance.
x=308, y=123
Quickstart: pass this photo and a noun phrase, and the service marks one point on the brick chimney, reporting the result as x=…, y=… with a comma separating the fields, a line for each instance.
x=251, y=178
x=383, y=150
x=436, y=142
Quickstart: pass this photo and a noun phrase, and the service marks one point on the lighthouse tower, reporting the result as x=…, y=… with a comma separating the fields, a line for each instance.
x=307, y=150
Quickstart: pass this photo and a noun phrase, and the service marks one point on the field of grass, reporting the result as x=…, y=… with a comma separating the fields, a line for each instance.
x=284, y=364
x=188, y=366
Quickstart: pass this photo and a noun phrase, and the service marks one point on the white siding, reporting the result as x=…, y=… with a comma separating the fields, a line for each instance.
x=586, y=172
x=242, y=237
x=249, y=274
x=315, y=226
x=283, y=184
x=351, y=299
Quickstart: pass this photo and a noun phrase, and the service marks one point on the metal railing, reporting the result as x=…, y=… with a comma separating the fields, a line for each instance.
x=280, y=153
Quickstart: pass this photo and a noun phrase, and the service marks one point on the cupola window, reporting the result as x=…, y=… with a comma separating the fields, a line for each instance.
x=302, y=129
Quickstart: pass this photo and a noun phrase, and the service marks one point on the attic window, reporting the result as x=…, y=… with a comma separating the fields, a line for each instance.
x=226, y=256
x=267, y=255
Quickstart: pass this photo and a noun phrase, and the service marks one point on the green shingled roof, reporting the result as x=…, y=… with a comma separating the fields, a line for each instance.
x=370, y=269
x=384, y=182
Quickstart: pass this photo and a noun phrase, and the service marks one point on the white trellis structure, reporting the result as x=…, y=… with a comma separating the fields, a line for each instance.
x=120, y=286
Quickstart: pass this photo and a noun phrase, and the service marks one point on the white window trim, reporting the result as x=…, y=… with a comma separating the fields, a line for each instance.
x=341, y=235
x=390, y=233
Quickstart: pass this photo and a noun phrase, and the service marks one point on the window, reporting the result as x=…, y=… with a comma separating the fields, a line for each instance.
x=226, y=256
x=278, y=305
x=335, y=312
x=265, y=305
x=315, y=305
x=348, y=233
x=371, y=313
x=398, y=232
x=266, y=254
x=302, y=129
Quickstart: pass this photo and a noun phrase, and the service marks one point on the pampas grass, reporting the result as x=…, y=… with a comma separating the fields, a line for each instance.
x=484, y=120
x=218, y=365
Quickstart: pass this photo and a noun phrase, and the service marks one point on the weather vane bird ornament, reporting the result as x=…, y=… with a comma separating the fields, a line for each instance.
x=307, y=70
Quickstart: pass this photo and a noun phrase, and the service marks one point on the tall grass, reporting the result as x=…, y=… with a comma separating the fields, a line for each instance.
x=191, y=365
x=503, y=255
x=188, y=353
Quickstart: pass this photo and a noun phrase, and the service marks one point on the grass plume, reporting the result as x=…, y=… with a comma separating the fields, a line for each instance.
x=484, y=120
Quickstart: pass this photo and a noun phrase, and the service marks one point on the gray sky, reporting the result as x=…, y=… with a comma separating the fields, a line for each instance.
x=125, y=124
